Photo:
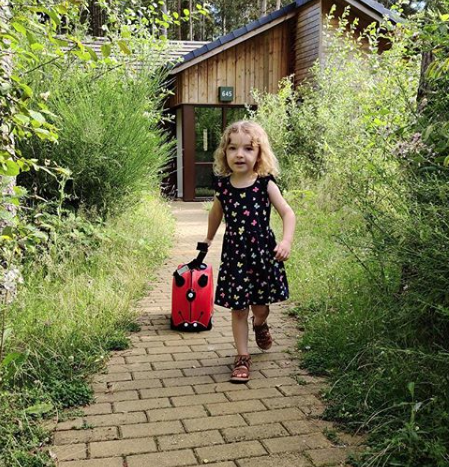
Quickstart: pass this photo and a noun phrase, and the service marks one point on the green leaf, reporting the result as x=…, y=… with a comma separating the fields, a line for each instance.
x=39, y=409
x=31, y=39
x=20, y=28
x=92, y=53
x=26, y=89
x=37, y=116
x=21, y=119
x=106, y=50
x=124, y=47
x=53, y=15
x=10, y=168
x=186, y=12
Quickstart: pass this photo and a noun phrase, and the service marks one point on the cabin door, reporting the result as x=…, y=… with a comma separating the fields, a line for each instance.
x=210, y=123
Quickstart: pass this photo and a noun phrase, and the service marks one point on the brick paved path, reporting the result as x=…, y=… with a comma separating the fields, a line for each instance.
x=167, y=402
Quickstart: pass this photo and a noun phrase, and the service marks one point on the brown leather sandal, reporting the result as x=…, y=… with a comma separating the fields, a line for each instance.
x=240, y=373
x=263, y=337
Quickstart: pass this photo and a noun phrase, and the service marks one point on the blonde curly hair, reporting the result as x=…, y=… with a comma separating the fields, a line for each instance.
x=267, y=163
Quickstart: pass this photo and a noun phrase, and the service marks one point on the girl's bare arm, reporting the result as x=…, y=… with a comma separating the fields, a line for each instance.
x=214, y=220
x=283, y=248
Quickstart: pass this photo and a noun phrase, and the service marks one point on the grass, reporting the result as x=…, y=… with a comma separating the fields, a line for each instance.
x=70, y=315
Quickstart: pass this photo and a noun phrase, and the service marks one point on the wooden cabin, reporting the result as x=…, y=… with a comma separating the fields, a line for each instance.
x=213, y=83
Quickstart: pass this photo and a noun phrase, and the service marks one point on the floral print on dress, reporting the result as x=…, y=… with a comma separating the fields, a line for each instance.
x=248, y=274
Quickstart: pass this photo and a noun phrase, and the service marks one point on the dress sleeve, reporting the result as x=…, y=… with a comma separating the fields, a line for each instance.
x=266, y=179
x=218, y=187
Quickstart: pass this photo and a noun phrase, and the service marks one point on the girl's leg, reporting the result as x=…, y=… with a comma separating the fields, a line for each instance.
x=240, y=330
x=260, y=313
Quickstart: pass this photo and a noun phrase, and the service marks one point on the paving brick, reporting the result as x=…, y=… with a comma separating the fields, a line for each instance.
x=190, y=440
x=143, y=404
x=170, y=350
x=279, y=372
x=183, y=401
x=305, y=400
x=327, y=457
x=194, y=355
x=158, y=374
x=167, y=392
x=299, y=390
x=142, y=430
x=97, y=409
x=171, y=382
x=264, y=393
x=277, y=460
x=176, y=365
x=219, y=387
x=250, y=433
x=129, y=368
x=212, y=423
x=116, y=419
x=208, y=347
x=122, y=447
x=112, y=377
x=177, y=413
x=271, y=382
x=75, y=424
x=106, y=462
x=230, y=451
x=163, y=459
x=235, y=407
x=217, y=361
x=296, y=443
x=271, y=416
x=211, y=370
x=85, y=436
x=150, y=358
x=131, y=385
x=301, y=427
x=70, y=452
x=116, y=396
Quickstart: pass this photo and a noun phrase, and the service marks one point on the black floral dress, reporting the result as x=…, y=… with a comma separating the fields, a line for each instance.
x=249, y=274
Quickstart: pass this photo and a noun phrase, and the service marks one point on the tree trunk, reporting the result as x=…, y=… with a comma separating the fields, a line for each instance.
x=263, y=7
x=278, y=4
x=424, y=87
x=190, y=21
x=164, y=11
x=96, y=19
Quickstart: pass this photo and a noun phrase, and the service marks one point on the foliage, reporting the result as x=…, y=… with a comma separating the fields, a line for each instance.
x=77, y=305
x=110, y=137
x=364, y=168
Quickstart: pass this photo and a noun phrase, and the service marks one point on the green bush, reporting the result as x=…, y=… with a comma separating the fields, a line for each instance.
x=110, y=136
x=77, y=305
x=367, y=176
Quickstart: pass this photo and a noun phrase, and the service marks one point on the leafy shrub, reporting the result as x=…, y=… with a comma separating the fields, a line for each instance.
x=76, y=307
x=110, y=137
x=370, y=262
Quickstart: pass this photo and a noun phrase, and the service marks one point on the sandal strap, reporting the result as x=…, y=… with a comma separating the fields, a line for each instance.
x=263, y=336
x=242, y=361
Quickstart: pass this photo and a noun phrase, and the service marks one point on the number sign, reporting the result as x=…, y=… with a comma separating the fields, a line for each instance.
x=225, y=93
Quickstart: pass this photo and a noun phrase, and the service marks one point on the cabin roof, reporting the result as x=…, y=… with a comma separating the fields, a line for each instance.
x=371, y=7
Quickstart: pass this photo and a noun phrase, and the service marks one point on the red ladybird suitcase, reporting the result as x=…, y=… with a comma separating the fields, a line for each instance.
x=192, y=294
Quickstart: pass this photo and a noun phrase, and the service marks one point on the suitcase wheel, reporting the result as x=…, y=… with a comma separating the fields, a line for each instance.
x=209, y=324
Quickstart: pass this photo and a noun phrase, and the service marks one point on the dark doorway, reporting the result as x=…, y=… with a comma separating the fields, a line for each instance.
x=210, y=123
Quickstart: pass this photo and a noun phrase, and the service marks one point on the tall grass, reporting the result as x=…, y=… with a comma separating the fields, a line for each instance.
x=369, y=266
x=76, y=307
x=111, y=136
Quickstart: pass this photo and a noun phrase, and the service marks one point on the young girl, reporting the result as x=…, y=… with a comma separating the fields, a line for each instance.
x=251, y=271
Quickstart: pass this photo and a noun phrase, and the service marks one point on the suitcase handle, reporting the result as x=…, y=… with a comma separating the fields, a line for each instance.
x=203, y=248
